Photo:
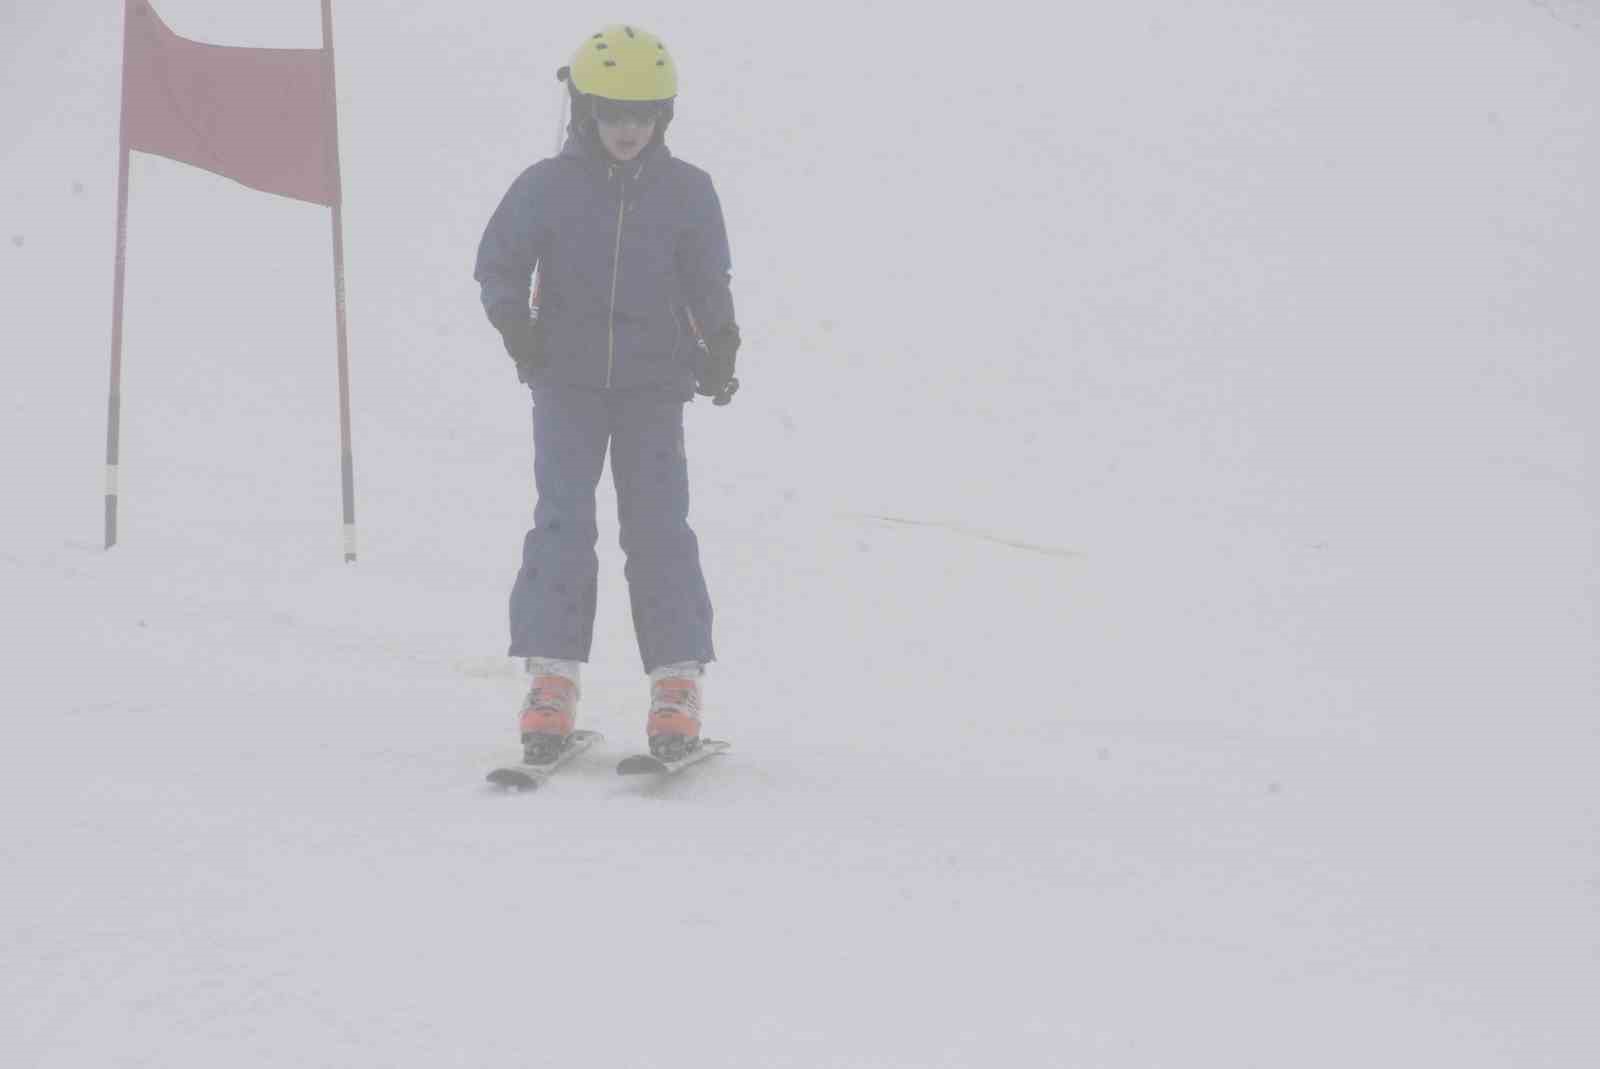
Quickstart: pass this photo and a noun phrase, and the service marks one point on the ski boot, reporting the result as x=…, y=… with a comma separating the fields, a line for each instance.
x=548, y=714
x=674, y=724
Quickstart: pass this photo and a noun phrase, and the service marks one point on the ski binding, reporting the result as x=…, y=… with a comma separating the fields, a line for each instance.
x=646, y=764
x=526, y=777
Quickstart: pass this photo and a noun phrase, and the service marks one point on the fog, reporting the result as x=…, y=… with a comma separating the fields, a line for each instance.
x=1154, y=555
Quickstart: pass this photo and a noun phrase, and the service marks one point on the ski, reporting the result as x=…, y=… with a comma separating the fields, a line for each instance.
x=646, y=764
x=526, y=777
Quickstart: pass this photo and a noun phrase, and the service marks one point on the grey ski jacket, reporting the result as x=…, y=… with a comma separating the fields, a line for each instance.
x=622, y=251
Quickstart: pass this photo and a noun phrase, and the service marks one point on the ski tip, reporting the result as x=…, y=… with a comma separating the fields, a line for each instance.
x=525, y=777
x=640, y=764
x=514, y=779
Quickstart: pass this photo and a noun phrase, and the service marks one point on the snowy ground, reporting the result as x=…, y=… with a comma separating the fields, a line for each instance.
x=1197, y=406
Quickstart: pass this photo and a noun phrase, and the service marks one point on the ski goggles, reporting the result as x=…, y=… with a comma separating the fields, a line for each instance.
x=615, y=112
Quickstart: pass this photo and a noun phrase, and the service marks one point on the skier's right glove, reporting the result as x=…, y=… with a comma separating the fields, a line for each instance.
x=716, y=371
x=524, y=344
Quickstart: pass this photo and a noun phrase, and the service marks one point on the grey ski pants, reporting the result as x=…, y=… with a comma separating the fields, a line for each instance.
x=553, y=599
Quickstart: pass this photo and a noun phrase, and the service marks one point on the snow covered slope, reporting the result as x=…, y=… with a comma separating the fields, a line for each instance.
x=1154, y=554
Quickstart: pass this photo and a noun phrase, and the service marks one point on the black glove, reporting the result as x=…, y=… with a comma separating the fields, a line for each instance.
x=524, y=344
x=716, y=365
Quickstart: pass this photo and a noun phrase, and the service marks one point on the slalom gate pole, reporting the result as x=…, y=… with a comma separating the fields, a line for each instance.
x=347, y=468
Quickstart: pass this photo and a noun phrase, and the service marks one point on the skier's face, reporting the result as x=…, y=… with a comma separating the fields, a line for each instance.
x=625, y=136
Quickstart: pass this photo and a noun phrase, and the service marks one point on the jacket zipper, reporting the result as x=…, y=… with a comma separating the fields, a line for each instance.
x=616, y=266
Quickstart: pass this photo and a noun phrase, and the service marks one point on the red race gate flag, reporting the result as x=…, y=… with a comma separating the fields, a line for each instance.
x=263, y=117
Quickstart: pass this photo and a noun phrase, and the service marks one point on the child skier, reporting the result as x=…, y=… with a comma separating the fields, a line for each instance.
x=634, y=316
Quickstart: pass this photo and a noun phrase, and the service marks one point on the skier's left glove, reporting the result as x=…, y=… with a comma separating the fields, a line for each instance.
x=716, y=371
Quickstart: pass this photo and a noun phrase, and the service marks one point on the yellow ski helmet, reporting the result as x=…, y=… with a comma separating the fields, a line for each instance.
x=624, y=63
